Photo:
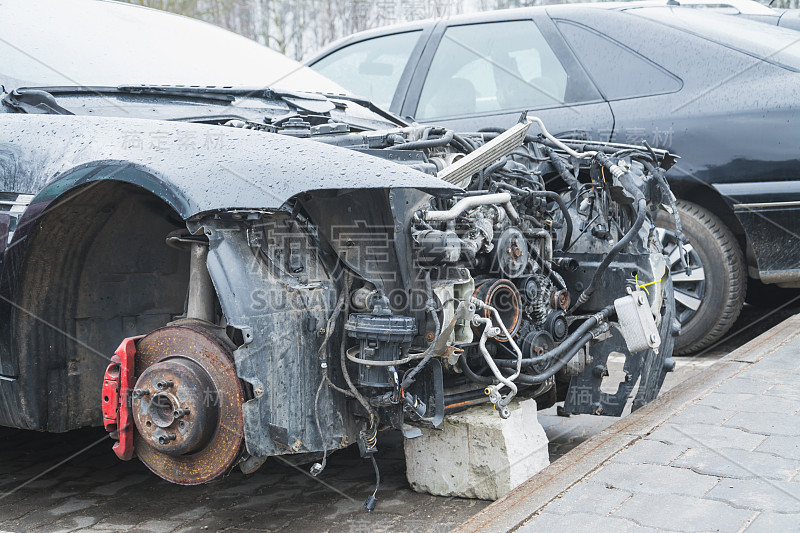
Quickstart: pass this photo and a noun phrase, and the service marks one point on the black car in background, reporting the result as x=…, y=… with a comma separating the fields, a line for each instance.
x=721, y=91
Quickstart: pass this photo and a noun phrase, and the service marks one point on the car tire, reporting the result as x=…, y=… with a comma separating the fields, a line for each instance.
x=709, y=300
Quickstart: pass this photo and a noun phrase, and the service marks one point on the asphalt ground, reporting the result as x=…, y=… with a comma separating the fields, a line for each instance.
x=73, y=482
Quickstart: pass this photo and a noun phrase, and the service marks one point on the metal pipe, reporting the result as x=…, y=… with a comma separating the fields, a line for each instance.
x=471, y=202
x=488, y=331
x=201, y=302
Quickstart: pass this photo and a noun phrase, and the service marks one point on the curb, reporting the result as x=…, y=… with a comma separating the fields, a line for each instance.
x=513, y=509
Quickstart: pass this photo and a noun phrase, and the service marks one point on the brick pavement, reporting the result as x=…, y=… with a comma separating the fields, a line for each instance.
x=727, y=459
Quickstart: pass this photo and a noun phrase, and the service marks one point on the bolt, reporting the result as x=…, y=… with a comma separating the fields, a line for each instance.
x=166, y=438
x=140, y=393
x=653, y=338
x=259, y=391
x=642, y=299
x=161, y=385
x=180, y=413
x=429, y=336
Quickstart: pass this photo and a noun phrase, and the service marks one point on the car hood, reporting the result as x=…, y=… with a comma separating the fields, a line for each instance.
x=195, y=168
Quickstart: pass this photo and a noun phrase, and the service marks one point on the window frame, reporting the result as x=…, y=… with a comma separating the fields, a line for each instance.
x=552, y=37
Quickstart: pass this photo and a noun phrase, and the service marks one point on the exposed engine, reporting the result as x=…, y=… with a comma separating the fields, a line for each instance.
x=522, y=284
x=350, y=310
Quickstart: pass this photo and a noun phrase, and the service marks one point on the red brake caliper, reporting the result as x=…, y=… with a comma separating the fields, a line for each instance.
x=117, y=384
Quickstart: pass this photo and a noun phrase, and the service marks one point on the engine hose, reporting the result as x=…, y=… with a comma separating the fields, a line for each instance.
x=353, y=390
x=665, y=191
x=561, y=362
x=563, y=171
x=567, y=218
x=573, y=341
x=426, y=143
x=408, y=379
x=351, y=355
x=465, y=144
x=552, y=196
x=612, y=254
x=462, y=362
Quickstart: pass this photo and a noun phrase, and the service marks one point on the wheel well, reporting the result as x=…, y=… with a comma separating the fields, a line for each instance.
x=710, y=199
x=96, y=270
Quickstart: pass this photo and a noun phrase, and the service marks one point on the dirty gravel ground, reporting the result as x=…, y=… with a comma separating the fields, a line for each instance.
x=74, y=482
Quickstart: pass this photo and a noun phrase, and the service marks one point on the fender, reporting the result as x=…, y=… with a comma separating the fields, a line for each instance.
x=195, y=168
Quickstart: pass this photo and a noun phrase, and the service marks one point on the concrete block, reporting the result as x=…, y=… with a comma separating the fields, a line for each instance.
x=476, y=454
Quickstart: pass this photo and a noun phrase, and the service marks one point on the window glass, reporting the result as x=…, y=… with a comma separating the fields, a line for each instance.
x=498, y=66
x=618, y=71
x=370, y=68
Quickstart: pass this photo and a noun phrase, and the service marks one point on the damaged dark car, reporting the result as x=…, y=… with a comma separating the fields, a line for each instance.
x=282, y=272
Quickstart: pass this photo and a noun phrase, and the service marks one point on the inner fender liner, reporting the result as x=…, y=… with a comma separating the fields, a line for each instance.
x=273, y=287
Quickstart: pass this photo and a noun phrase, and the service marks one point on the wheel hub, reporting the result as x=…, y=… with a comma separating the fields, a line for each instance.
x=187, y=404
x=176, y=412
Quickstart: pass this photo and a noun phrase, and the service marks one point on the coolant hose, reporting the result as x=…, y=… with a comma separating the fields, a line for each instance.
x=565, y=348
x=426, y=143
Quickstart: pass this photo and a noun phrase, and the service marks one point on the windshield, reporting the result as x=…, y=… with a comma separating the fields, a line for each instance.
x=102, y=43
x=777, y=45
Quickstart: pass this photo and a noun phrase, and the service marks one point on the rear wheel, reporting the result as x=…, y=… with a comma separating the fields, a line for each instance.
x=187, y=404
x=709, y=299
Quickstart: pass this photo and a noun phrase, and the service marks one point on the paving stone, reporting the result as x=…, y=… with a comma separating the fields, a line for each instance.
x=785, y=390
x=758, y=495
x=582, y=522
x=753, y=403
x=649, y=452
x=772, y=522
x=70, y=506
x=109, y=489
x=744, y=385
x=736, y=463
x=766, y=423
x=646, y=478
x=682, y=513
x=702, y=414
x=704, y=435
x=591, y=498
x=71, y=523
x=781, y=446
x=157, y=526
x=110, y=524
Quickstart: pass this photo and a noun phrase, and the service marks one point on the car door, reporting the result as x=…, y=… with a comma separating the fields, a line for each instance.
x=484, y=74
